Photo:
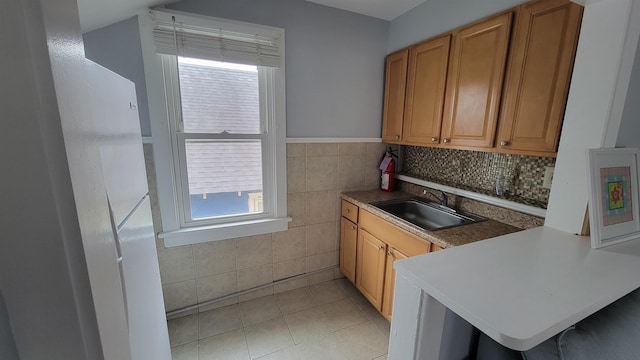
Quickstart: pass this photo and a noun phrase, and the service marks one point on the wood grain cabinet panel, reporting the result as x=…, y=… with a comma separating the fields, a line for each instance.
x=474, y=83
x=426, y=80
x=537, y=84
x=349, y=211
x=390, y=281
x=348, y=245
x=370, y=267
x=394, y=93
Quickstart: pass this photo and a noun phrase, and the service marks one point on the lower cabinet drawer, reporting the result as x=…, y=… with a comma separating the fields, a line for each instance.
x=407, y=243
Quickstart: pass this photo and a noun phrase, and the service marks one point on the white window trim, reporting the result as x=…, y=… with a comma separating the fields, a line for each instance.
x=174, y=232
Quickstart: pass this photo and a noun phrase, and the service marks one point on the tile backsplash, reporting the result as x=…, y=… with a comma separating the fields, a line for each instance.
x=477, y=171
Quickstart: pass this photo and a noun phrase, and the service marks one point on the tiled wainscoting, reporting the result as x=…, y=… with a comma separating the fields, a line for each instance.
x=316, y=174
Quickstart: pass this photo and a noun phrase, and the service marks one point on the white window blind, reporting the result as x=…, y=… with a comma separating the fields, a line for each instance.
x=190, y=35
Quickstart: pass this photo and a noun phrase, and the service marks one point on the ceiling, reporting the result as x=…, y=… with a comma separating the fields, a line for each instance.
x=382, y=9
x=95, y=14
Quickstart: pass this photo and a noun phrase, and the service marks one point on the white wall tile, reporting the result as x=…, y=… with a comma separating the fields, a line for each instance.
x=322, y=149
x=290, y=244
x=351, y=172
x=253, y=251
x=289, y=268
x=320, y=206
x=352, y=149
x=296, y=174
x=176, y=264
x=322, y=261
x=296, y=208
x=321, y=238
x=252, y=277
x=179, y=295
x=321, y=173
x=296, y=150
x=213, y=287
x=215, y=257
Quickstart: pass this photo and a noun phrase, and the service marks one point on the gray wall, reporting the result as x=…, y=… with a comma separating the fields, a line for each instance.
x=434, y=17
x=629, y=133
x=117, y=47
x=334, y=63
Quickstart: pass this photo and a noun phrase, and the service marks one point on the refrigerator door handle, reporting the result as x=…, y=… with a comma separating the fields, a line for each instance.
x=119, y=258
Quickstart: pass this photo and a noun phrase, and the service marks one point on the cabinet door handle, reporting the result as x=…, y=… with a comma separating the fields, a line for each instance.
x=380, y=247
x=504, y=142
x=353, y=227
x=397, y=137
x=390, y=253
x=434, y=139
x=446, y=140
x=346, y=211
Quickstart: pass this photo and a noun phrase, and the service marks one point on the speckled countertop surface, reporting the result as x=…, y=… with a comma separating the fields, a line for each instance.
x=445, y=238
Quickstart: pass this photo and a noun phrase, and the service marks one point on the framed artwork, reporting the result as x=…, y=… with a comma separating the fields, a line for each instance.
x=613, y=196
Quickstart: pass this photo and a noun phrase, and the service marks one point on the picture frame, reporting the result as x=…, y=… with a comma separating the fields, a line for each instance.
x=614, y=204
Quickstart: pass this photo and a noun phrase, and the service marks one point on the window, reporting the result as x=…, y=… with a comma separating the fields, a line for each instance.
x=224, y=86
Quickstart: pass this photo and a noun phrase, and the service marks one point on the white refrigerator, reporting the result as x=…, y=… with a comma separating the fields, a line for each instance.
x=123, y=168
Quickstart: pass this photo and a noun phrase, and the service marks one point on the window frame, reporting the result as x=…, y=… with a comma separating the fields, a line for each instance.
x=178, y=228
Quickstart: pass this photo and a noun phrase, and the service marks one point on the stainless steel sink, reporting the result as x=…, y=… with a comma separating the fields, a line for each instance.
x=427, y=215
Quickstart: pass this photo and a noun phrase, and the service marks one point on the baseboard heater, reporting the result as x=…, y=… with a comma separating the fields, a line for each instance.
x=177, y=312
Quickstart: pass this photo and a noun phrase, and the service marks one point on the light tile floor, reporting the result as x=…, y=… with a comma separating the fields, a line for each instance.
x=330, y=320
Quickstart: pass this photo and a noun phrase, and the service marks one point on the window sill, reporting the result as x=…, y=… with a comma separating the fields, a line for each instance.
x=201, y=234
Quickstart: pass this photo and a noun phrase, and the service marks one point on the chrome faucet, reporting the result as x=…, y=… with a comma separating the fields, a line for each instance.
x=444, y=200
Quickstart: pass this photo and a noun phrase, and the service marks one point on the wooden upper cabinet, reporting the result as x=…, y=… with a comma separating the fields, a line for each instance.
x=395, y=85
x=426, y=80
x=474, y=83
x=544, y=44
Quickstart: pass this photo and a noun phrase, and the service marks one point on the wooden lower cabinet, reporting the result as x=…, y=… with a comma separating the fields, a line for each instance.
x=368, y=250
x=348, y=241
x=380, y=244
x=371, y=257
x=390, y=281
x=435, y=247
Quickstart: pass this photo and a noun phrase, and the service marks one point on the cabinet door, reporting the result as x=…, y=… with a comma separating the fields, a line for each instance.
x=390, y=281
x=370, y=267
x=426, y=82
x=474, y=84
x=348, y=240
x=544, y=45
x=435, y=247
x=394, y=91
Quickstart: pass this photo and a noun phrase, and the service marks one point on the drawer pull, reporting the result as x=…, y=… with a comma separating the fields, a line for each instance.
x=446, y=140
x=504, y=143
x=353, y=227
x=434, y=139
x=346, y=211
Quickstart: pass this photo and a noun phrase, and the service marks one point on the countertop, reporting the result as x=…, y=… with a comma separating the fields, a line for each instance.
x=444, y=238
x=521, y=289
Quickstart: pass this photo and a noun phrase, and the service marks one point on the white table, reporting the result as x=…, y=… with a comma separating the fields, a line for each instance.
x=520, y=289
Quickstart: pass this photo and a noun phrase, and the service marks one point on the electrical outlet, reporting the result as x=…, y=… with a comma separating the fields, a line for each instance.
x=548, y=177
